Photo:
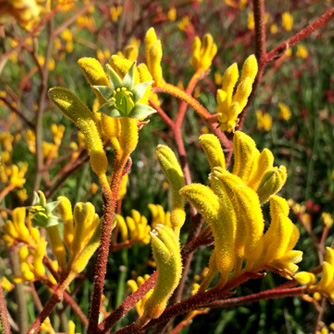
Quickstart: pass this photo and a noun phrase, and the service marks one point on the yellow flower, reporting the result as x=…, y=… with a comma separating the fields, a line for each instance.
x=122, y=187
x=301, y=51
x=31, y=262
x=273, y=28
x=93, y=188
x=166, y=252
x=231, y=104
x=250, y=21
x=287, y=21
x=232, y=208
x=159, y=216
x=285, y=112
x=27, y=12
x=172, y=14
x=22, y=194
x=264, y=121
x=203, y=54
x=134, y=285
x=6, y=139
x=115, y=12
x=325, y=287
x=86, y=22
x=327, y=219
x=185, y=24
x=6, y=284
x=134, y=228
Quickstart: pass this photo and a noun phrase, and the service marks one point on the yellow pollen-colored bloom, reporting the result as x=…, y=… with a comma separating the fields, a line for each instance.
x=285, y=112
x=287, y=21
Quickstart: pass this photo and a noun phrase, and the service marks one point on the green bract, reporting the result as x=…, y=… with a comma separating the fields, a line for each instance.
x=122, y=96
x=41, y=211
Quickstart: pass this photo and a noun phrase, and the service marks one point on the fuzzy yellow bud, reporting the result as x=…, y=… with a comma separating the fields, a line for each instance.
x=131, y=52
x=166, y=252
x=250, y=223
x=80, y=263
x=305, y=278
x=245, y=152
x=261, y=165
x=174, y=174
x=249, y=69
x=329, y=257
x=243, y=91
x=327, y=277
x=70, y=105
x=153, y=50
x=94, y=74
x=65, y=210
x=39, y=254
x=222, y=222
x=202, y=56
x=57, y=245
x=128, y=138
x=85, y=223
x=271, y=183
x=212, y=150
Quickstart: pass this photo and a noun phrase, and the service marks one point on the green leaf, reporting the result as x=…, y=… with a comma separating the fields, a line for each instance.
x=139, y=90
x=105, y=91
x=114, y=79
x=141, y=111
x=129, y=78
x=110, y=110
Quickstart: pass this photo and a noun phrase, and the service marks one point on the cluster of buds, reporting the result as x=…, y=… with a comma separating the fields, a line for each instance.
x=159, y=216
x=326, y=284
x=232, y=208
x=134, y=228
x=231, y=104
x=203, y=53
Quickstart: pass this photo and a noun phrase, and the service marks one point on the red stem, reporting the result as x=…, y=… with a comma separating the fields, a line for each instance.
x=4, y=314
x=269, y=294
x=55, y=298
x=182, y=110
x=265, y=58
x=128, y=304
x=306, y=32
x=162, y=114
x=76, y=309
x=109, y=205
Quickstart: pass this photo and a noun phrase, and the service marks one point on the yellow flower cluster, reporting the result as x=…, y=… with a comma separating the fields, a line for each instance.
x=15, y=230
x=50, y=150
x=33, y=250
x=203, y=54
x=287, y=21
x=231, y=104
x=13, y=176
x=68, y=38
x=26, y=12
x=159, y=216
x=284, y=112
x=153, y=52
x=232, y=208
x=136, y=226
x=326, y=284
x=81, y=234
x=134, y=285
x=264, y=120
x=115, y=12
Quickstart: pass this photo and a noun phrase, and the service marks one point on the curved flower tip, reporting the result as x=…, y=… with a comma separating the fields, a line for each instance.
x=121, y=98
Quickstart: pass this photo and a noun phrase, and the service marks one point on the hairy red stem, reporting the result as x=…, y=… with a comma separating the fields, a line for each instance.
x=109, y=205
x=4, y=314
x=128, y=304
